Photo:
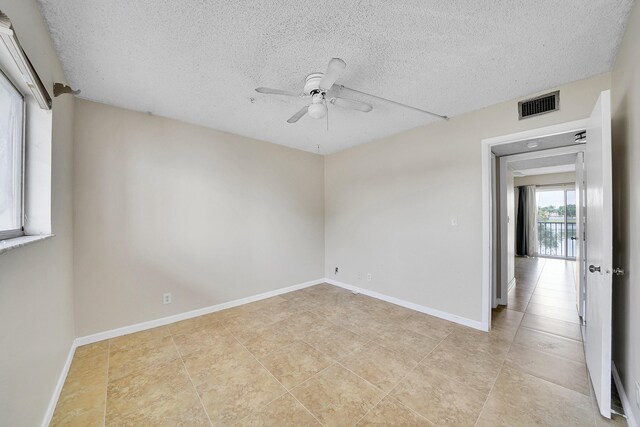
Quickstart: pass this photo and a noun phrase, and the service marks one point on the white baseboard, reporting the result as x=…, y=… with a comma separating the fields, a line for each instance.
x=511, y=285
x=417, y=307
x=626, y=403
x=100, y=336
x=46, y=420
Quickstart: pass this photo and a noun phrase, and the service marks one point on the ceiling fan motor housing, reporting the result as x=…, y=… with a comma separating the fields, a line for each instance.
x=312, y=83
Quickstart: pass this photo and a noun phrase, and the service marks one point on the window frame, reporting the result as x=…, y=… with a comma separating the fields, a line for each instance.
x=18, y=232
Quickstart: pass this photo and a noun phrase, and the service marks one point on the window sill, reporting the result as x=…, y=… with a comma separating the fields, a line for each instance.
x=16, y=242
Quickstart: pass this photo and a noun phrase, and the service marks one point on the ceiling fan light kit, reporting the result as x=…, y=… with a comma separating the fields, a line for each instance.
x=317, y=85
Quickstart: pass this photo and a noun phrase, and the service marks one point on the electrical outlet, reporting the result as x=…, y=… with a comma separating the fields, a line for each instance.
x=369, y=277
x=336, y=270
x=638, y=394
x=166, y=298
x=359, y=275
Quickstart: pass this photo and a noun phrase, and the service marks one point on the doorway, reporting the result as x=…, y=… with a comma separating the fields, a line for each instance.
x=556, y=221
x=595, y=249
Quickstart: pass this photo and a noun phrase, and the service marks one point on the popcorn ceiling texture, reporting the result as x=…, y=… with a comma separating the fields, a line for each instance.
x=199, y=61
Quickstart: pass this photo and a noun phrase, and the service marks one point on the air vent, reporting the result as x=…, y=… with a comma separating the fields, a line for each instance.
x=539, y=105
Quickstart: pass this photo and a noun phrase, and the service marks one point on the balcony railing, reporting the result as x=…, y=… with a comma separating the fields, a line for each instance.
x=555, y=239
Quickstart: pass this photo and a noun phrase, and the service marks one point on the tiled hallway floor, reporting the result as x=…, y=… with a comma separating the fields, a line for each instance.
x=323, y=355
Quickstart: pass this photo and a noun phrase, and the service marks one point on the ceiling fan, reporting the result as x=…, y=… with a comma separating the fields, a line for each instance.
x=316, y=87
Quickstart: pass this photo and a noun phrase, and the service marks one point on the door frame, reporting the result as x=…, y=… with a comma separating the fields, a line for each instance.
x=488, y=247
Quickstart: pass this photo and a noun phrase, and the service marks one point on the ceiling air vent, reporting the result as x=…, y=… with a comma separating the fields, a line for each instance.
x=539, y=105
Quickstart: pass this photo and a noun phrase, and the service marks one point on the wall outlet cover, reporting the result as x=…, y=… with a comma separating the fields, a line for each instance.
x=166, y=298
x=369, y=277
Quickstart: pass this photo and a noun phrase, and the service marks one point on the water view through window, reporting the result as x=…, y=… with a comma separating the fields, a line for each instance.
x=556, y=222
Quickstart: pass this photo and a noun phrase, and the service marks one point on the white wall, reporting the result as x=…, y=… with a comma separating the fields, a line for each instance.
x=546, y=179
x=36, y=289
x=164, y=206
x=625, y=98
x=389, y=203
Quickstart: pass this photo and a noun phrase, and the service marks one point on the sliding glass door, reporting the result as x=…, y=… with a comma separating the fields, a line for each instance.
x=556, y=222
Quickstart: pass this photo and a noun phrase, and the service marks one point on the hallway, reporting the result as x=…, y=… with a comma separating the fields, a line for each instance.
x=548, y=343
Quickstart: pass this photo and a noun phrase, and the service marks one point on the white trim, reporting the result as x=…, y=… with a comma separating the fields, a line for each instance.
x=512, y=284
x=417, y=307
x=487, y=244
x=626, y=403
x=46, y=420
x=100, y=336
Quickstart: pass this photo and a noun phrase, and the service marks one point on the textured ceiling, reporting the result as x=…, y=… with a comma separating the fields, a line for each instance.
x=199, y=61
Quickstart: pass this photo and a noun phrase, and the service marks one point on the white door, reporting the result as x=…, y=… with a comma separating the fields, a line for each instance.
x=599, y=251
x=580, y=244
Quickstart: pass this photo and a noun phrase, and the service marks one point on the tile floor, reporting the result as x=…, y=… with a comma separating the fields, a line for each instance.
x=324, y=356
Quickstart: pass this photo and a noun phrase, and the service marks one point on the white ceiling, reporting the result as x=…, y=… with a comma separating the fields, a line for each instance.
x=544, y=143
x=200, y=60
x=544, y=165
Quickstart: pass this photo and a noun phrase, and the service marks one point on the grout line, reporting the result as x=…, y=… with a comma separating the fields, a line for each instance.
x=400, y=382
x=278, y=381
x=190, y=379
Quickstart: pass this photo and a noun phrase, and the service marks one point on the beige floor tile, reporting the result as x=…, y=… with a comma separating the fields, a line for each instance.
x=153, y=392
x=408, y=342
x=390, y=412
x=428, y=325
x=492, y=344
x=334, y=341
x=188, y=342
x=553, y=312
x=465, y=365
x=296, y=363
x=302, y=324
x=285, y=411
x=551, y=344
x=337, y=397
x=567, y=373
x=517, y=303
x=506, y=319
x=552, y=326
x=139, y=338
x=234, y=394
x=125, y=359
x=568, y=303
x=280, y=310
x=439, y=398
x=520, y=399
x=82, y=399
x=269, y=340
x=564, y=294
x=95, y=349
x=351, y=318
x=73, y=416
x=208, y=363
x=380, y=366
x=247, y=325
x=190, y=325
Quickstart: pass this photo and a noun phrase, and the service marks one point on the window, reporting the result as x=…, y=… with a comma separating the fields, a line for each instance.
x=11, y=159
x=557, y=222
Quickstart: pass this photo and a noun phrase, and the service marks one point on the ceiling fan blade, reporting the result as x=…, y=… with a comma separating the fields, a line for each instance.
x=297, y=116
x=352, y=104
x=276, y=91
x=334, y=69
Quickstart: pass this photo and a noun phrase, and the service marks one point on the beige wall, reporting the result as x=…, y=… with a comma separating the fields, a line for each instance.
x=625, y=95
x=388, y=204
x=164, y=206
x=546, y=179
x=36, y=290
